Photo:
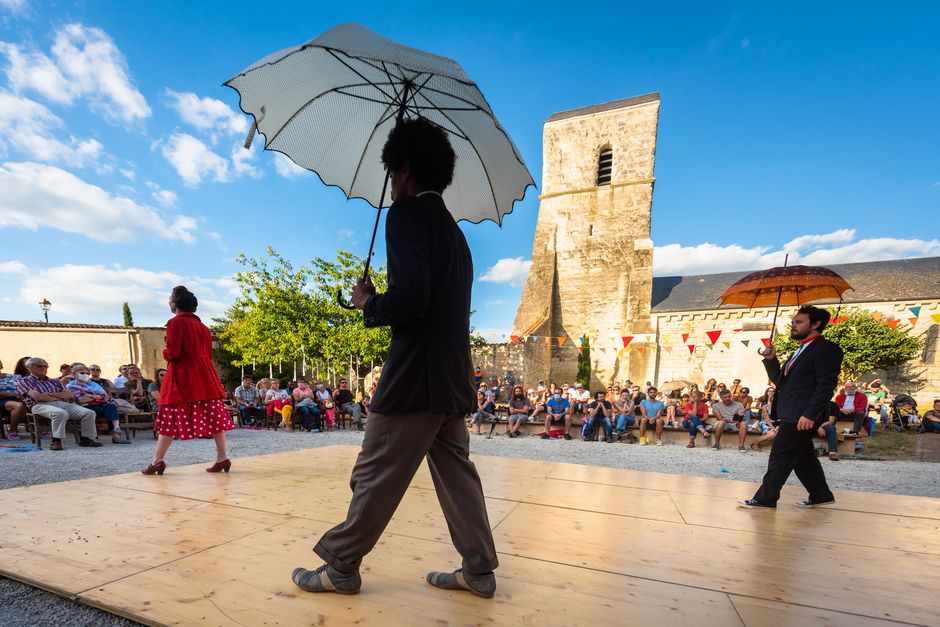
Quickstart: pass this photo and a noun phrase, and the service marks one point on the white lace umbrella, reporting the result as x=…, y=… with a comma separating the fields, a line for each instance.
x=330, y=103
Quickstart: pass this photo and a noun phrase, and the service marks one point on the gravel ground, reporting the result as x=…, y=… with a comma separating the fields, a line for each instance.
x=23, y=605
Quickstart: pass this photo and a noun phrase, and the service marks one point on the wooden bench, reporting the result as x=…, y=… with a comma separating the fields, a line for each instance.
x=33, y=422
x=138, y=420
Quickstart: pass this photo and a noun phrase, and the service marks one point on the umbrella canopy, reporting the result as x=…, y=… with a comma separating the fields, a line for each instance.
x=675, y=384
x=330, y=103
x=787, y=286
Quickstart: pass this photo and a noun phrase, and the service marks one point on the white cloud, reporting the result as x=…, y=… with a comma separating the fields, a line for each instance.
x=95, y=293
x=209, y=115
x=164, y=197
x=27, y=126
x=823, y=249
x=510, y=270
x=130, y=172
x=242, y=161
x=13, y=267
x=194, y=160
x=498, y=302
x=13, y=5
x=493, y=335
x=287, y=168
x=85, y=63
x=41, y=196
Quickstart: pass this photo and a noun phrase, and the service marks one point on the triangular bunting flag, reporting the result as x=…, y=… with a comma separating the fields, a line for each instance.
x=603, y=350
x=691, y=348
x=838, y=320
x=915, y=311
x=533, y=337
x=639, y=350
x=737, y=330
x=514, y=339
x=891, y=323
x=913, y=321
x=581, y=349
x=626, y=340
x=727, y=344
x=685, y=338
x=935, y=317
x=766, y=341
x=562, y=340
x=876, y=315
x=713, y=336
x=745, y=342
x=668, y=349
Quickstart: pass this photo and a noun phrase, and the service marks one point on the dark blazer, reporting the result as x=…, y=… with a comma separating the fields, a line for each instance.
x=807, y=389
x=427, y=304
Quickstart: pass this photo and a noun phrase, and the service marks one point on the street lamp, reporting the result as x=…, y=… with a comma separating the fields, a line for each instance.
x=45, y=305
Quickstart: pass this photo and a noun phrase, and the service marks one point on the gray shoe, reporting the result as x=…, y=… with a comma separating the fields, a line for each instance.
x=481, y=585
x=327, y=579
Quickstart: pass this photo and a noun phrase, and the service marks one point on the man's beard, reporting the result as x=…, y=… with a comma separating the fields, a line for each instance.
x=796, y=335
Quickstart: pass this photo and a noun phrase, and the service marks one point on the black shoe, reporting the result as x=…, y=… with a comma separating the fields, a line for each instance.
x=567, y=436
x=327, y=579
x=56, y=445
x=481, y=585
x=755, y=504
x=545, y=436
x=808, y=504
x=89, y=442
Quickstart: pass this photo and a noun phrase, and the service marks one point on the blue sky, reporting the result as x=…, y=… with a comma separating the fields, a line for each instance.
x=807, y=128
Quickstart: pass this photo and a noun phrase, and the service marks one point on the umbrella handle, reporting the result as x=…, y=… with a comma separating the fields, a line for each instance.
x=342, y=300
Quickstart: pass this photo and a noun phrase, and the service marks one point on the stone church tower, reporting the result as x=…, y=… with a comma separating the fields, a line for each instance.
x=592, y=259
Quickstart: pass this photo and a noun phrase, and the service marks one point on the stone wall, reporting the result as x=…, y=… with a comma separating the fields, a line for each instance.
x=496, y=359
x=673, y=360
x=592, y=257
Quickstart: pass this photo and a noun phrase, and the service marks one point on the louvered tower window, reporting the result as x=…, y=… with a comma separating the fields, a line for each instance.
x=605, y=164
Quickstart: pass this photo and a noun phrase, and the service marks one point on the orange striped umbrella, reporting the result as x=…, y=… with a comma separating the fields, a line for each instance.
x=786, y=285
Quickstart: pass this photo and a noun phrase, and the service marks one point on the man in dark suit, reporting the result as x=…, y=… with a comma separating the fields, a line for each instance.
x=805, y=384
x=426, y=388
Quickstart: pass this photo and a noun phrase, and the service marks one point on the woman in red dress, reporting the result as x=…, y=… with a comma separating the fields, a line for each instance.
x=191, y=395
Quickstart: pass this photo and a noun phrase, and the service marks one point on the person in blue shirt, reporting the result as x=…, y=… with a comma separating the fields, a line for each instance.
x=651, y=410
x=558, y=411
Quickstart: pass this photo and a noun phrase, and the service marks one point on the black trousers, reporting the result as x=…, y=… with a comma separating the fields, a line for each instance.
x=793, y=451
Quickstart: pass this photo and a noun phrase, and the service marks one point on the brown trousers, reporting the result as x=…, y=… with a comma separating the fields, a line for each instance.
x=393, y=448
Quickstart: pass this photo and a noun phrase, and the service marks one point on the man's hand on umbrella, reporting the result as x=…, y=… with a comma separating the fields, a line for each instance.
x=362, y=291
x=769, y=353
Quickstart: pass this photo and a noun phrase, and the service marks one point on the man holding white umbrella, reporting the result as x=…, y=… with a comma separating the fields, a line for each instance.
x=427, y=385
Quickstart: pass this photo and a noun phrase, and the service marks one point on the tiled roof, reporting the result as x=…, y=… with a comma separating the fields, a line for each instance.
x=873, y=281
x=20, y=324
x=606, y=106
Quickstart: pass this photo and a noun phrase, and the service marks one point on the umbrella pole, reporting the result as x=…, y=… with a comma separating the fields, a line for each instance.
x=773, y=326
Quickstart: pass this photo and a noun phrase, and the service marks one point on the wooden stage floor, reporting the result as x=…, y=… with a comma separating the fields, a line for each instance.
x=578, y=545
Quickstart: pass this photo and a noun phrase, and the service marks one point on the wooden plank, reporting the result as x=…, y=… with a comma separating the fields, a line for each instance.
x=247, y=582
x=67, y=537
x=920, y=535
x=876, y=503
x=764, y=566
x=762, y=613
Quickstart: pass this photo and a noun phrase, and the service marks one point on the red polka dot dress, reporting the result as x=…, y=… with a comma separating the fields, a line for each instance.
x=191, y=394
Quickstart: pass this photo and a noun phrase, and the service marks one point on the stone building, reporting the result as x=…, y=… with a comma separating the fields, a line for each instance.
x=592, y=258
x=591, y=275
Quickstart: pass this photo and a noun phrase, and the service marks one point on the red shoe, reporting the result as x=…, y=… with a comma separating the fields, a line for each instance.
x=221, y=466
x=154, y=469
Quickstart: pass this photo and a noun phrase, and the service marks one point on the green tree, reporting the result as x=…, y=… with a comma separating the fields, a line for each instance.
x=868, y=345
x=128, y=316
x=584, y=363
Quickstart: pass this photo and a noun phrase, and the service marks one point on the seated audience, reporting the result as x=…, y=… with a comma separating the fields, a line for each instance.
x=743, y=396
x=729, y=412
x=735, y=390
x=278, y=401
x=92, y=396
x=853, y=405
x=651, y=410
x=931, y=418
x=696, y=413
x=558, y=411
x=599, y=413
x=829, y=430
x=478, y=375
x=248, y=402
x=709, y=390
x=136, y=389
x=765, y=426
x=623, y=410
x=324, y=398
x=65, y=374
x=637, y=397
x=47, y=397
x=305, y=407
x=11, y=405
x=583, y=398
x=121, y=379
x=520, y=408
x=343, y=399
x=105, y=384
x=495, y=388
x=878, y=399
x=153, y=390
x=675, y=403
x=486, y=411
